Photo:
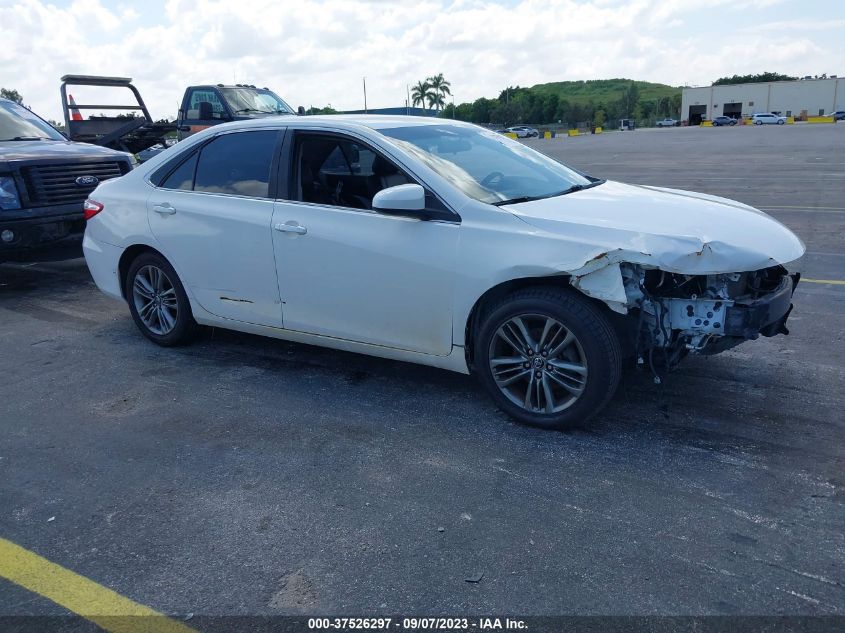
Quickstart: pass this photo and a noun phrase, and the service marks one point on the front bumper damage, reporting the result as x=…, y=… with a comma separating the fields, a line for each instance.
x=671, y=315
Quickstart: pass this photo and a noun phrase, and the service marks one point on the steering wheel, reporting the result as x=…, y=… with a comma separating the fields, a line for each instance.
x=494, y=177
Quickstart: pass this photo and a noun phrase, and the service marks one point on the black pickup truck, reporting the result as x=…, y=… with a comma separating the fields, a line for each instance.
x=44, y=181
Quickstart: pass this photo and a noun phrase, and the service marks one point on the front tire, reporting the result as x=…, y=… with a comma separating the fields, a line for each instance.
x=548, y=357
x=158, y=302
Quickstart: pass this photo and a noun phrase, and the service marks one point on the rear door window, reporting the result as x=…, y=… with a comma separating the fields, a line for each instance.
x=183, y=176
x=237, y=164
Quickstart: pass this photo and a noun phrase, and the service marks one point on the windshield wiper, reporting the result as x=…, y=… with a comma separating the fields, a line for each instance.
x=575, y=188
x=29, y=138
x=254, y=110
x=571, y=189
x=499, y=203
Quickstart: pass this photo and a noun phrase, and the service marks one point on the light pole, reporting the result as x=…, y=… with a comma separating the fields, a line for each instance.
x=365, y=95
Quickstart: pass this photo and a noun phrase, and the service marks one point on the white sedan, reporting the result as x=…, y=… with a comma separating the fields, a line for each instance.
x=438, y=243
x=523, y=131
x=767, y=118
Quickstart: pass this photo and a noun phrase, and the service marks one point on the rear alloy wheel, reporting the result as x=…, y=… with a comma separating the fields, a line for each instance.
x=548, y=357
x=155, y=300
x=158, y=302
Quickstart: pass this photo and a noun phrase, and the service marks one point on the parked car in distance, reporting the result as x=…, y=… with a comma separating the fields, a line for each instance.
x=724, y=120
x=439, y=243
x=44, y=181
x=839, y=115
x=667, y=122
x=523, y=131
x=767, y=118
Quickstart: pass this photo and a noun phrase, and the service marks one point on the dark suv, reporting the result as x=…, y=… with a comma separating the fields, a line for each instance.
x=44, y=181
x=724, y=120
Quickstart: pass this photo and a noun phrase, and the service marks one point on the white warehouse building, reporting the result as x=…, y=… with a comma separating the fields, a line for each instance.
x=802, y=98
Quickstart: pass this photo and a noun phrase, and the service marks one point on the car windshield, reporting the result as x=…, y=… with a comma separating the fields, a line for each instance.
x=487, y=166
x=19, y=124
x=255, y=101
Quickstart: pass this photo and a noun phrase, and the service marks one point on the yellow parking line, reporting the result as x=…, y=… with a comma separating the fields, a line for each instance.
x=104, y=607
x=835, y=282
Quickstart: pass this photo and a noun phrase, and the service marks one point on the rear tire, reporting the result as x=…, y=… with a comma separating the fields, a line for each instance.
x=158, y=302
x=548, y=357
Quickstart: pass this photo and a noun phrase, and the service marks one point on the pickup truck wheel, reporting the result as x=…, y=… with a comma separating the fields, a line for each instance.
x=548, y=357
x=157, y=301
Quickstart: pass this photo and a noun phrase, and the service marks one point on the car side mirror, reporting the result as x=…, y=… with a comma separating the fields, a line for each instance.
x=407, y=200
x=301, y=110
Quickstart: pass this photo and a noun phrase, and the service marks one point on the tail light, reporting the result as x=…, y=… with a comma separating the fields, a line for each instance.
x=91, y=208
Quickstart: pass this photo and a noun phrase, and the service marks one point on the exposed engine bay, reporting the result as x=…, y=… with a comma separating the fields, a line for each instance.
x=677, y=314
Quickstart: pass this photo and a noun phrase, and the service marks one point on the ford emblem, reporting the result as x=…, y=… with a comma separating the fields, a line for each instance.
x=87, y=181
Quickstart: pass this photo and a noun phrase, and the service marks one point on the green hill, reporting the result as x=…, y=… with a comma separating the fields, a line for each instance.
x=603, y=90
x=573, y=103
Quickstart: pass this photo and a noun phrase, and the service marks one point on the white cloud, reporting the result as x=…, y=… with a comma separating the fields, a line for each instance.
x=800, y=25
x=314, y=52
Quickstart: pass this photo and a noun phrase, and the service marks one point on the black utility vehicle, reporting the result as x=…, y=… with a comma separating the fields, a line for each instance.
x=44, y=181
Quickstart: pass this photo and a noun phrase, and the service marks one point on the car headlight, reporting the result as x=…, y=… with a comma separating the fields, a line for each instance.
x=9, y=198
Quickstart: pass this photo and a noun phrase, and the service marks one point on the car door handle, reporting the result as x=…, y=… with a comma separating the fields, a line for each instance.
x=164, y=209
x=291, y=226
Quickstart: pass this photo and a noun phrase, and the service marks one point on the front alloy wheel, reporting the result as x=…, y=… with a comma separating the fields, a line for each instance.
x=538, y=363
x=548, y=356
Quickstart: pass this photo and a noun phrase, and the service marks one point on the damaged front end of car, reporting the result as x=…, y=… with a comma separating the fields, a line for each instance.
x=672, y=314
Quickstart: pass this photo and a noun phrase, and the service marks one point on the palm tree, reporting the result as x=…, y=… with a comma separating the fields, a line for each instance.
x=440, y=87
x=435, y=100
x=420, y=93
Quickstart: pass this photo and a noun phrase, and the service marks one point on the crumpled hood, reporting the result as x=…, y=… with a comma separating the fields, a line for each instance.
x=13, y=151
x=674, y=230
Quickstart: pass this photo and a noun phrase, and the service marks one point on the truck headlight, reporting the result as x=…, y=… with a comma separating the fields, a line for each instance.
x=9, y=198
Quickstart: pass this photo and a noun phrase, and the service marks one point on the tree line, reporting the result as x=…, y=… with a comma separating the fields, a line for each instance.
x=516, y=105
x=12, y=95
x=752, y=79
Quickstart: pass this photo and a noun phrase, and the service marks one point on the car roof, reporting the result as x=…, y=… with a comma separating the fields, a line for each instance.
x=344, y=122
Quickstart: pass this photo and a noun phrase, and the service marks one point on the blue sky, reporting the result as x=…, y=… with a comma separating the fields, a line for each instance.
x=314, y=52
